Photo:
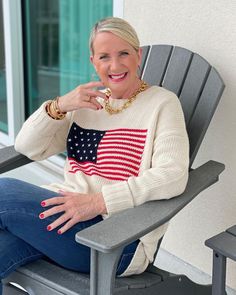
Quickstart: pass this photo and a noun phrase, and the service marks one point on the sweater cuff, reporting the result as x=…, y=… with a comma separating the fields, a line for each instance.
x=117, y=197
x=41, y=118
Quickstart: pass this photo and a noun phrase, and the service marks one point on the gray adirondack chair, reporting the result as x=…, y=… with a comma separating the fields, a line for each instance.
x=199, y=88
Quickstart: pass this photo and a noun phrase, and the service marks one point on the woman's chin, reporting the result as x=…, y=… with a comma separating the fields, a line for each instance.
x=117, y=84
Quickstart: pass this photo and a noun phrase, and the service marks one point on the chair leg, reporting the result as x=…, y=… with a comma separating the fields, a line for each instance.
x=103, y=271
x=218, y=274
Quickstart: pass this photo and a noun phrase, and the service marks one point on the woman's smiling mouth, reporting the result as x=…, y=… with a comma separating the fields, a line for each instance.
x=117, y=77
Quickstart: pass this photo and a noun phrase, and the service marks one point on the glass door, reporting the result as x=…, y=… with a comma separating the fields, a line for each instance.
x=56, y=34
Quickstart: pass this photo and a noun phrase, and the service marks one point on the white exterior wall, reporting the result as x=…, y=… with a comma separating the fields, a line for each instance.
x=208, y=28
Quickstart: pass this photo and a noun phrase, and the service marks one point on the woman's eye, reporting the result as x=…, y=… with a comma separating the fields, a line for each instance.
x=124, y=53
x=103, y=57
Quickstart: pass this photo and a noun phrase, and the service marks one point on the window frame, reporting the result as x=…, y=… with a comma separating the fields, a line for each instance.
x=12, y=24
x=13, y=44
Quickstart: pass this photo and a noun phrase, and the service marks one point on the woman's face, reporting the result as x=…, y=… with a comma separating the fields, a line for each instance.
x=116, y=63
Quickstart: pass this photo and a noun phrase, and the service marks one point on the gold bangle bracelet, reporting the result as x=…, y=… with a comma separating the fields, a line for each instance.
x=53, y=111
x=47, y=107
x=57, y=107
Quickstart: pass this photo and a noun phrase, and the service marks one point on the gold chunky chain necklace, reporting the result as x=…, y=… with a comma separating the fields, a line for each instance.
x=113, y=111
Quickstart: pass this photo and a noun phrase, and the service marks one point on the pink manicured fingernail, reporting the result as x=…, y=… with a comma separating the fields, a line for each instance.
x=41, y=215
x=59, y=232
x=43, y=204
x=49, y=227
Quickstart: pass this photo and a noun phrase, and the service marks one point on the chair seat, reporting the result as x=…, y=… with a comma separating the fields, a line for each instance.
x=52, y=277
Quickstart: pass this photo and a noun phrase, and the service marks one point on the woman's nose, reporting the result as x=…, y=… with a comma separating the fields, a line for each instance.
x=115, y=64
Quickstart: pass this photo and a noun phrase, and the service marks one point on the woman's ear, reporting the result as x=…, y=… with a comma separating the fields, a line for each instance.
x=92, y=62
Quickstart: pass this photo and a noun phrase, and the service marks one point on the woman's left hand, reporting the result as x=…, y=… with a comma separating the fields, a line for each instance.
x=75, y=207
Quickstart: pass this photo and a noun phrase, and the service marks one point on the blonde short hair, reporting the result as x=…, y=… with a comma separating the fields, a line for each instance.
x=118, y=27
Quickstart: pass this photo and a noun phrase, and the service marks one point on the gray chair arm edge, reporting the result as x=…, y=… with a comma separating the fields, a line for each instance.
x=11, y=159
x=124, y=227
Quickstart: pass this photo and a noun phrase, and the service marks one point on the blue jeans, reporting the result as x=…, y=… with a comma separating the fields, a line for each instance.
x=24, y=237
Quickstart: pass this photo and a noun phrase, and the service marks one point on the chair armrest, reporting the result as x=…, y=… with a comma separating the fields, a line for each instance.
x=124, y=227
x=11, y=159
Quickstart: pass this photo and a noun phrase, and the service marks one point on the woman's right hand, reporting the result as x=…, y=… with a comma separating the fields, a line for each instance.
x=83, y=96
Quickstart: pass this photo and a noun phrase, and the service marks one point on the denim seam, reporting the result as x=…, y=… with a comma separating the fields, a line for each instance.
x=19, y=261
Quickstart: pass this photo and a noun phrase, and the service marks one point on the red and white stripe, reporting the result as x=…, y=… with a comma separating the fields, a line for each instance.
x=119, y=155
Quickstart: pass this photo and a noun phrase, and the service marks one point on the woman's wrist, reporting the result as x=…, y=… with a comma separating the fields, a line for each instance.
x=100, y=203
x=53, y=110
x=60, y=104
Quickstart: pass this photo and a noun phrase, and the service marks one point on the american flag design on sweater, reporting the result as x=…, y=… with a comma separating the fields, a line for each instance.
x=113, y=154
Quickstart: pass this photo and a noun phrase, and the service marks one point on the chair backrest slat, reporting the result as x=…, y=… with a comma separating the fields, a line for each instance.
x=145, y=51
x=193, y=85
x=204, y=111
x=157, y=62
x=198, y=86
x=177, y=69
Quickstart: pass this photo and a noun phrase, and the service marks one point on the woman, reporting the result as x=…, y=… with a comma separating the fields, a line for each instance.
x=126, y=145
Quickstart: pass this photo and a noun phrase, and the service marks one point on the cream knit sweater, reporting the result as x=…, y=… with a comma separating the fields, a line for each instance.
x=139, y=155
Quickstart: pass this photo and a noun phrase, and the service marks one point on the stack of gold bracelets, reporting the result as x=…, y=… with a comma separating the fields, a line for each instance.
x=53, y=110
